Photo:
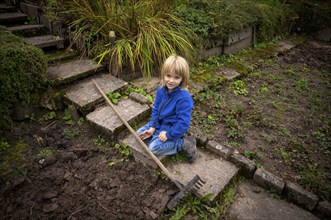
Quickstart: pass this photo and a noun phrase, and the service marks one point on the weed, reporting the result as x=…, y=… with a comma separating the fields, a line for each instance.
x=301, y=85
x=49, y=116
x=80, y=121
x=249, y=154
x=71, y=133
x=274, y=193
x=46, y=152
x=114, y=97
x=278, y=106
x=240, y=88
x=99, y=141
x=32, y=117
x=124, y=151
x=139, y=91
x=4, y=146
x=180, y=157
x=211, y=120
x=311, y=176
x=269, y=138
x=67, y=117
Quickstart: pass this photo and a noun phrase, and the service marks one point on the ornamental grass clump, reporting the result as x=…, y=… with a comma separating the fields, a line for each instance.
x=146, y=31
x=22, y=71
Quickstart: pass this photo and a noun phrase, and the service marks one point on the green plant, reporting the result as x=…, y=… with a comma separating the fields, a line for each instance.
x=99, y=141
x=22, y=72
x=4, y=146
x=240, y=88
x=250, y=154
x=50, y=116
x=301, y=85
x=312, y=176
x=114, y=97
x=139, y=91
x=46, y=152
x=71, y=133
x=147, y=32
x=124, y=151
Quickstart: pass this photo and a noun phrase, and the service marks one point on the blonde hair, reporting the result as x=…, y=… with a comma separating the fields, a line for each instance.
x=177, y=65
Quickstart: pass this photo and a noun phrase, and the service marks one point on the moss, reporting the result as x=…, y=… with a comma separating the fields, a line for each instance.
x=22, y=71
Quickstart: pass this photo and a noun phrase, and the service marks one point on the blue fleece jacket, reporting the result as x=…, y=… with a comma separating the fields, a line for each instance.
x=172, y=112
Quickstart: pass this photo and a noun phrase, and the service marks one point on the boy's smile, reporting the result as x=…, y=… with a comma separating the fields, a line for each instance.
x=172, y=80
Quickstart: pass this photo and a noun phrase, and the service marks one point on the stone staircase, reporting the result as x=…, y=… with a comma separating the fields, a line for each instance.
x=74, y=77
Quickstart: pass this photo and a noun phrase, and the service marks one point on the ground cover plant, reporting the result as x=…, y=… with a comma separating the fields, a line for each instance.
x=277, y=113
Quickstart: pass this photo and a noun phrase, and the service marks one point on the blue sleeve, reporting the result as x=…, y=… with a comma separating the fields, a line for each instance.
x=183, y=114
x=154, y=120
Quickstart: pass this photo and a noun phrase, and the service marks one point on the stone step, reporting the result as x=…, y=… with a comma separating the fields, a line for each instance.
x=7, y=8
x=253, y=202
x=215, y=171
x=138, y=152
x=84, y=94
x=12, y=18
x=28, y=30
x=45, y=41
x=60, y=55
x=64, y=73
x=105, y=120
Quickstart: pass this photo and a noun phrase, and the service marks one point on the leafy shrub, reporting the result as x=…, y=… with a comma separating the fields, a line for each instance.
x=214, y=19
x=22, y=71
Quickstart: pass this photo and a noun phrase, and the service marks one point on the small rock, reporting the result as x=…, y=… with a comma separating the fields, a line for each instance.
x=50, y=208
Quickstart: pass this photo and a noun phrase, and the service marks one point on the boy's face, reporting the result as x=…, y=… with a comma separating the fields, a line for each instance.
x=172, y=80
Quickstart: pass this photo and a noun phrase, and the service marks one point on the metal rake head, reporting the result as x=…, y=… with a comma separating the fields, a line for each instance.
x=195, y=184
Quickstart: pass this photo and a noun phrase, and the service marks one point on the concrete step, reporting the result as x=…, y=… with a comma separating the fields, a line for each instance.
x=12, y=18
x=60, y=55
x=254, y=202
x=216, y=172
x=28, y=30
x=45, y=41
x=84, y=95
x=7, y=8
x=105, y=120
x=64, y=73
x=138, y=152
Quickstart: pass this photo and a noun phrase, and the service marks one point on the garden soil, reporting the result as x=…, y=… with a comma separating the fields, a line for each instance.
x=67, y=171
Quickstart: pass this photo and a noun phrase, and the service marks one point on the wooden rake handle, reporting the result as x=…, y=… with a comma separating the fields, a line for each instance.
x=157, y=161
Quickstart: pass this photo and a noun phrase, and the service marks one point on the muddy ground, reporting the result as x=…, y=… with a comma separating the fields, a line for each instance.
x=82, y=178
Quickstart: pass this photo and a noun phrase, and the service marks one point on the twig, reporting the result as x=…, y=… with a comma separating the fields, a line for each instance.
x=103, y=207
x=79, y=210
x=48, y=125
x=31, y=210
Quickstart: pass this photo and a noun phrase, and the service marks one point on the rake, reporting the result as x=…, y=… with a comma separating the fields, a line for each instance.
x=193, y=184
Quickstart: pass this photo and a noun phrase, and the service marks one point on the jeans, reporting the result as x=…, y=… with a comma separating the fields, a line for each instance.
x=169, y=147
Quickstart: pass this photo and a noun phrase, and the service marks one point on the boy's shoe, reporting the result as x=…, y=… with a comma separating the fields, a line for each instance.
x=190, y=148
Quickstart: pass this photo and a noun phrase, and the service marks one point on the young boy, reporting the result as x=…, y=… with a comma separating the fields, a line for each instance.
x=171, y=114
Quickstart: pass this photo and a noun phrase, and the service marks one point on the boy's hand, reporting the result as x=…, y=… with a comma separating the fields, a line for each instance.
x=146, y=134
x=163, y=136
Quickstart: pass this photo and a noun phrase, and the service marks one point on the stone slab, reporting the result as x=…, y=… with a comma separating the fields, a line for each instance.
x=6, y=8
x=56, y=56
x=12, y=17
x=216, y=172
x=106, y=121
x=268, y=180
x=45, y=41
x=149, y=85
x=29, y=28
x=84, y=93
x=300, y=196
x=253, y=202
x=139, y=153
x=285, y=45
x=228, y=73
x=67, y=72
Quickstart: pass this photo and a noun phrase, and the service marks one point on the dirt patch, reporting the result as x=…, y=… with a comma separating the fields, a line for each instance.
x=277, y=115
x=68, y=174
